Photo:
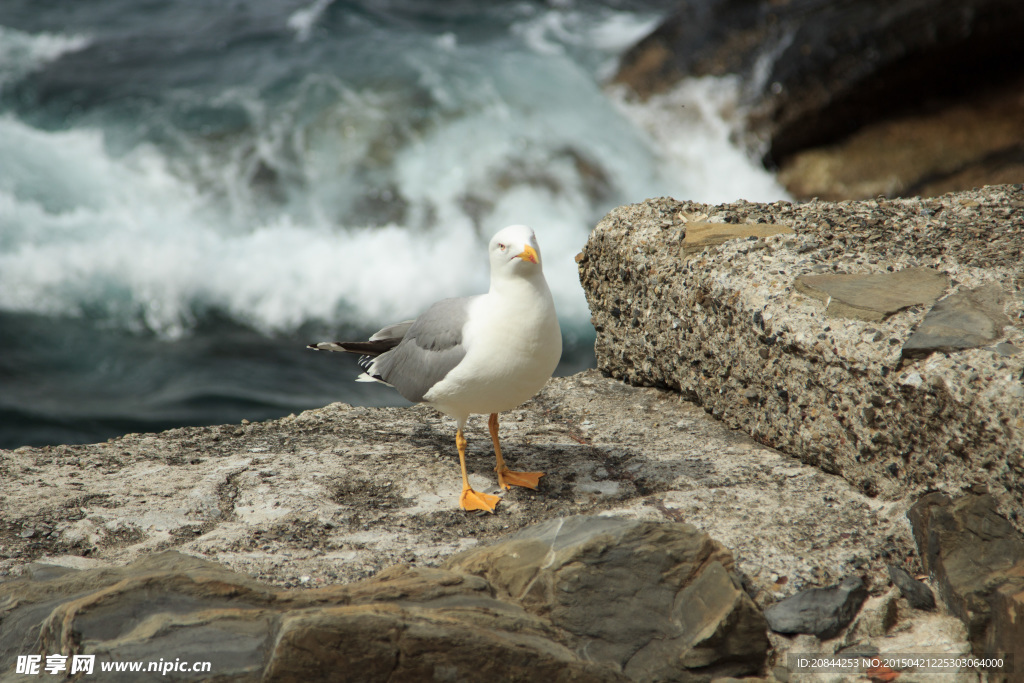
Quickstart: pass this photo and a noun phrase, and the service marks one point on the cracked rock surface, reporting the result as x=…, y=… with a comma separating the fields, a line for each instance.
x=338, y=493
x=342, y=494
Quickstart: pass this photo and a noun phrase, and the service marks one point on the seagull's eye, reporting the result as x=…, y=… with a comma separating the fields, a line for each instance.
x=502, y=246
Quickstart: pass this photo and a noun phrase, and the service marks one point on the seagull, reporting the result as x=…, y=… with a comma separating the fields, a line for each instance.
x=474, y=355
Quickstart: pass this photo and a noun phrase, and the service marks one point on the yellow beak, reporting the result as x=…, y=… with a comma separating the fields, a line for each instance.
x=529, y=254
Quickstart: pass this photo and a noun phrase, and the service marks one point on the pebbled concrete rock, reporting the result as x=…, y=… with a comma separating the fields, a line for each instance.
x=729, y=328
x=822, y=612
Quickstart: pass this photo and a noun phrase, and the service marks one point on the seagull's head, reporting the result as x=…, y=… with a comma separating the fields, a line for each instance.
x=514, y=250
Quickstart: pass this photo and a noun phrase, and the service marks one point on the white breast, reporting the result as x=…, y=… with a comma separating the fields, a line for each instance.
x=513, y=344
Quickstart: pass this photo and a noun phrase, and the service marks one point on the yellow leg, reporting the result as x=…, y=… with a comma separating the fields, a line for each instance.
x=470, y=499
x=506, y=477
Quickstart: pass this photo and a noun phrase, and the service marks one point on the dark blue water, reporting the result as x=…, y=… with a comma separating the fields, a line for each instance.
x=191, y=192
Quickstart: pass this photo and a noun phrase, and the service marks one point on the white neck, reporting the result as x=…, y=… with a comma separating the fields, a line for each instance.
x=514, y=285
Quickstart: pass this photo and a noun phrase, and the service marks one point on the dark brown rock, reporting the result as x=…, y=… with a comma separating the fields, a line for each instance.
x=826, y=68
x=857, y=100
x=581, y=598
x=946, y=147
x=977, y=560
x=381, y=644
x=403, y=624
x=1007, y=632
x=658, y=600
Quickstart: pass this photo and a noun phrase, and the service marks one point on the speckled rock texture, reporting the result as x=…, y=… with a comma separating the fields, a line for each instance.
x=727, y=327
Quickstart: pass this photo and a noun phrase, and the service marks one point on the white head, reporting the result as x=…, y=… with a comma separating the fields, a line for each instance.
x=514, y=250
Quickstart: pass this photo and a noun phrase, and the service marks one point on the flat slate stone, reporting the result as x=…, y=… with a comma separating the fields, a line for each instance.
x=1006, y=349
x=874, y=296
x=964, y=320
x=821, y=612
x=700, y=234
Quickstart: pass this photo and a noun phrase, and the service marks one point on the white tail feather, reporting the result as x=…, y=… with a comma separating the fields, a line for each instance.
x=367, y=378
x=326, y=346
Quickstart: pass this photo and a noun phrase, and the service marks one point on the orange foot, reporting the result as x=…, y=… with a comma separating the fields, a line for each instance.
x=507, y=478
x=474, y=500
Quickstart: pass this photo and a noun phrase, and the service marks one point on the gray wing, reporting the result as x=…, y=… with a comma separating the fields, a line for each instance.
x=431, y=347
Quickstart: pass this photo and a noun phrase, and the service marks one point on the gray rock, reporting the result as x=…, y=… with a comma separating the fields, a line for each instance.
x=874, y=296
x=1006, y=349
x=658, y=600
x=917, y=593
x=336, y=494
x=822, y=612
x=964, y=320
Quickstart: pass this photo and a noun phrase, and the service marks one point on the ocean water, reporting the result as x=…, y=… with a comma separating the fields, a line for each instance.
x=191, y=192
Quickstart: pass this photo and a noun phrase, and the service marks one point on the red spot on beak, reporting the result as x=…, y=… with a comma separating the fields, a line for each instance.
x=529, y=254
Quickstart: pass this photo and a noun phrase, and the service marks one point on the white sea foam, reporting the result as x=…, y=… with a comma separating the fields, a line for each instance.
x=151, y=238
x=126, y=240
x=302, y=21
x=693, y=129
x=21, y=53
x=596, y=37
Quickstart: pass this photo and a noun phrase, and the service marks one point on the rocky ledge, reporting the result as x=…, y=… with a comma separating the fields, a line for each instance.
x=862, y=360
x=881, y=341
x=345, y=518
